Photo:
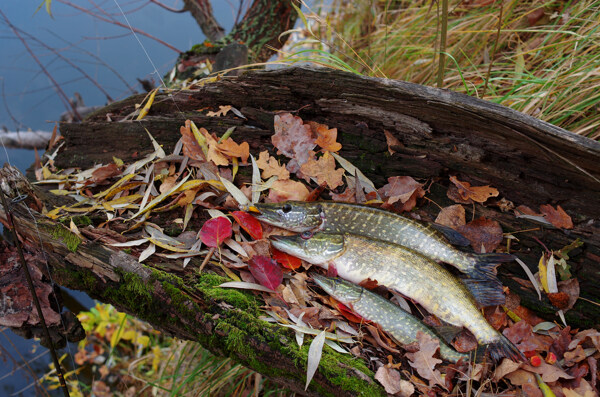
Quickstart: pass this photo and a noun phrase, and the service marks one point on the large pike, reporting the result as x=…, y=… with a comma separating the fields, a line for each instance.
x=334, y=217
x=357, y=259
x=400, y=324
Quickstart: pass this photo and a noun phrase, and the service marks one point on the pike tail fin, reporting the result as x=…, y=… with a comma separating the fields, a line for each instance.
x=505, y=348
x=486, y=292
x=484, y=265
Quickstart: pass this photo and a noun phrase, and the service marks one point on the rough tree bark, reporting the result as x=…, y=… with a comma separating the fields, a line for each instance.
x=442, y=133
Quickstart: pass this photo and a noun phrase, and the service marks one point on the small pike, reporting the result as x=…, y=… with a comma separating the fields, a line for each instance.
x=357, y=258
x=400, y=324
x=333, y=217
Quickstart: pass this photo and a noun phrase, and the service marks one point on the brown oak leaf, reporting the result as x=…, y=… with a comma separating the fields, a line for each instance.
x=482, y=232
x=101, y=174
x=423, y=360
x=402, y=192
x=452, y=216
x=557, y=217
x=232, y=149
x=326, y=138
x=271, y=167
x=476, y=193
x=223, y=110
x=323, y=169
x=191, y=147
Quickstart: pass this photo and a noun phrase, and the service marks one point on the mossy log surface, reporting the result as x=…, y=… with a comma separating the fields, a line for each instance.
x=442, y=133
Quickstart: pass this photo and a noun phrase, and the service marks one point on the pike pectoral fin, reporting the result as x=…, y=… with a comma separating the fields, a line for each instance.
x=453, y=237
x=485, y=292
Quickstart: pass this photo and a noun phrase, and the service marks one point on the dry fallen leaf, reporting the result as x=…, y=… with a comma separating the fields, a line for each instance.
x=191, y=147
x=391, y=141
x=558, y=217
x=103, y=173
x=214, y=154
x=287, y=190
x=223, y=110
x=271, y=167
x=293, y=138
x=482, y=232
x=323, y=170
x=452, y=216
x=326, y=138
x=389, y=378
x=476, y=193
x=423, y=360
x=232, y=149
x=402, y=189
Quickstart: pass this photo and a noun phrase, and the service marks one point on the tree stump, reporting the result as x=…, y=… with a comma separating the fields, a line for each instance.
x=442, y=133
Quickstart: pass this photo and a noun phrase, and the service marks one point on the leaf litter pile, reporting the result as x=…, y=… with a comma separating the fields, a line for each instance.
x=189, y=210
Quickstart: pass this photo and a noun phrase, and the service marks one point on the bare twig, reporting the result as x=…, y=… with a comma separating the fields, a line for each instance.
x=209, y=255
x=122, y=25
x=61, y=93
x=166, y=7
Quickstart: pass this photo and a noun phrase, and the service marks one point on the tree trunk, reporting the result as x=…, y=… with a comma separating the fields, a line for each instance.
x=442, y=133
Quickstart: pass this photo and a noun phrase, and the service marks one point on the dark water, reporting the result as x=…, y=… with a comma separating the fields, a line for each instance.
x=29, y=100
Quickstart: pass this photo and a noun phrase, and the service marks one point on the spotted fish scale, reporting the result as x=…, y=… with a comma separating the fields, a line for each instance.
x=334, y=217
x=357, y=259
x=400, y=324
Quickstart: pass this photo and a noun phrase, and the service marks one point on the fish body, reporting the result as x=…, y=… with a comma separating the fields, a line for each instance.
x=357, y=259
x=334, y=217
x=400, y=324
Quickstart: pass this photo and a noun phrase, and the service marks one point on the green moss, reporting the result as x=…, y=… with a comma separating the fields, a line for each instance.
x=208, y=284
x=60, y=232
x=81, y=220
x=235, y=340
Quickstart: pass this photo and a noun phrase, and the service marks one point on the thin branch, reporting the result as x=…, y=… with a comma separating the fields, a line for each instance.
x=67, y=60
x=18, y=124
x=166, y=7
x=202, y=12
x=61, y=93
x=136, y=30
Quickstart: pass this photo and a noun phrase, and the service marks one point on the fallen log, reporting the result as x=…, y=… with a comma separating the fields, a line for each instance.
x=441, y=133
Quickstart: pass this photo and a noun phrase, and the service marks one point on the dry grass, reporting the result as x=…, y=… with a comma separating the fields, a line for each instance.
x=546, y=64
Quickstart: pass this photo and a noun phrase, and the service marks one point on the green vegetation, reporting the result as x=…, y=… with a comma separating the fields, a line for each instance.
x=540, y=58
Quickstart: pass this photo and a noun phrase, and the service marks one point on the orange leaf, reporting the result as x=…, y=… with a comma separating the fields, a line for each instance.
x=475, y=193
x=557, y=217
x=285, y=260
x=323, y=170
x=223, y=110
x=232, y=149
x=288, y=190
x=326, y=138
x=271, y=166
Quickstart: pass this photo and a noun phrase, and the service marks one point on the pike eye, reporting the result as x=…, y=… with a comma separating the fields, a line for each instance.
x=286, y=208
x=306, y=235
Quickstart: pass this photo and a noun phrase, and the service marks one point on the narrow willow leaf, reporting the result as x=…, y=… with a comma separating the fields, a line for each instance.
x=256, y=180
x=245, y=285
x=314, y=357
x=352, y=170
x=236, y=193
x=531, y=277
x=336, y=347
x=544, y=326
x=147, y=253
x=132, y=243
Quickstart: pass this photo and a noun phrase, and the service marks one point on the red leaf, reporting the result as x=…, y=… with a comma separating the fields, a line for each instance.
x=349, y=314
x=215, y=231
x=266, y=271
x=285, y=260
x=248, y=223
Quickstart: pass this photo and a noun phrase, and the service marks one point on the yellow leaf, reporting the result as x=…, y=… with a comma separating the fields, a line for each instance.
x=114, y=187
x=146, y=107
x=143, y=340
x=165, y=246
x=543, y=273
